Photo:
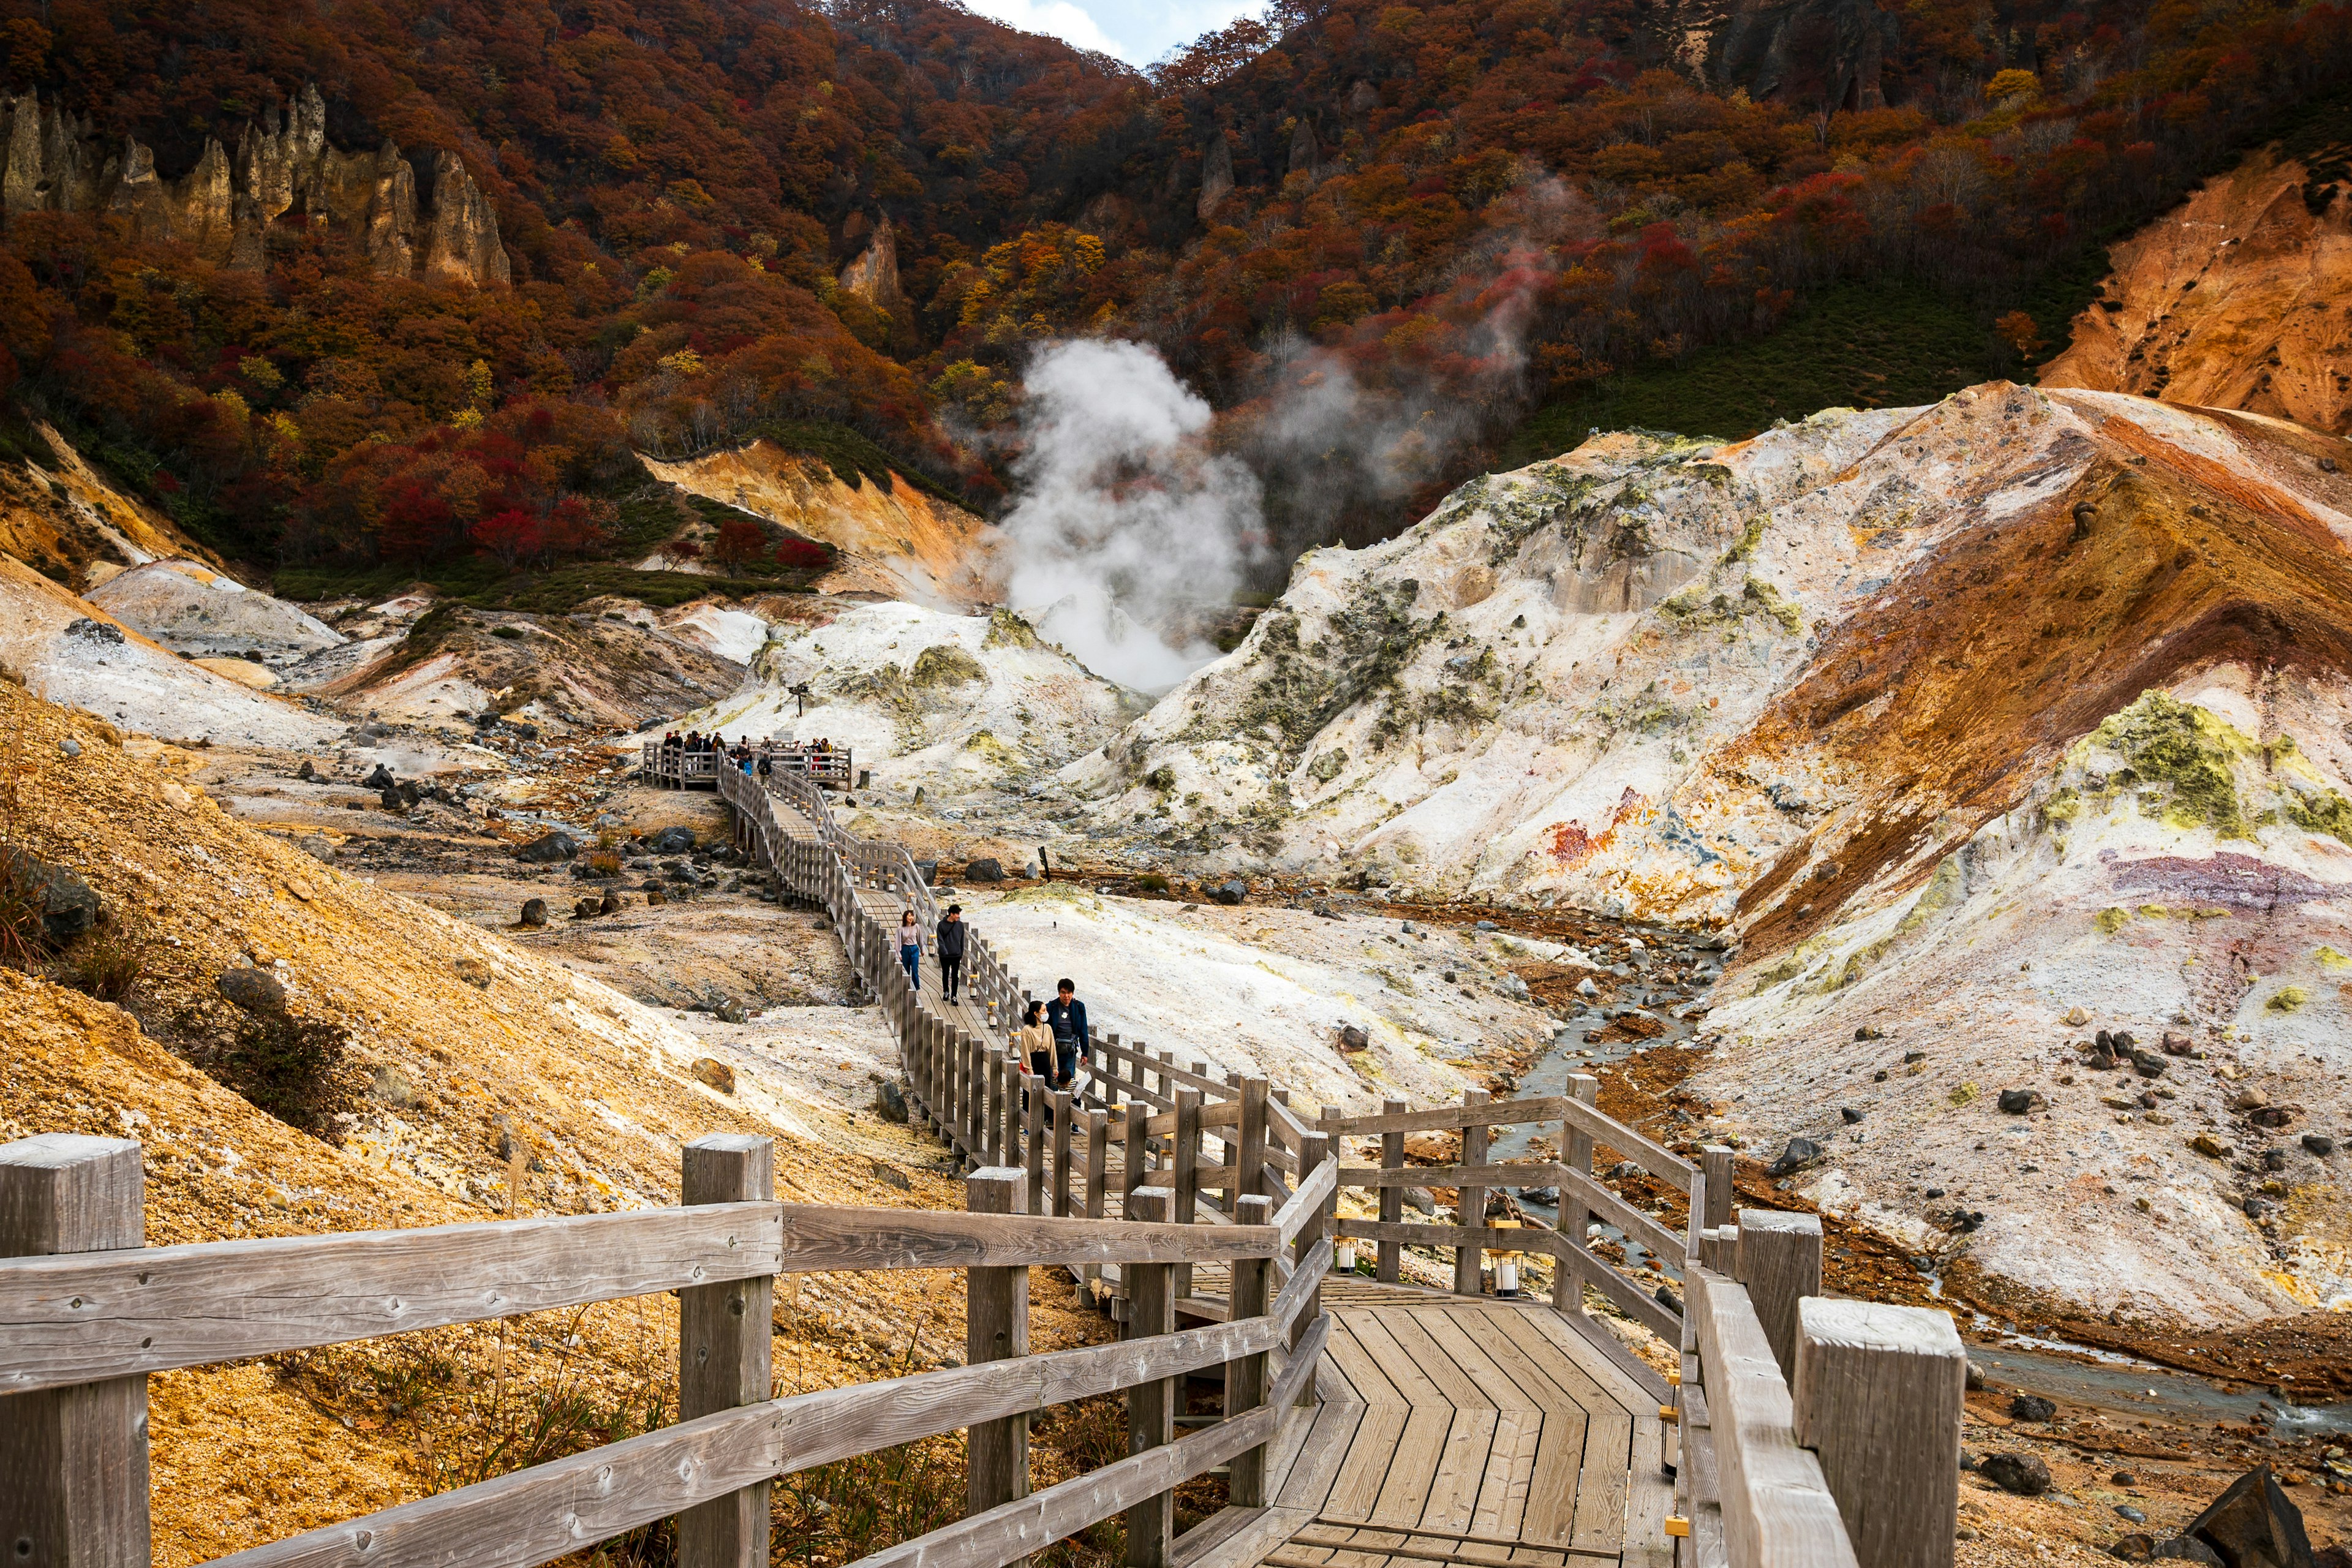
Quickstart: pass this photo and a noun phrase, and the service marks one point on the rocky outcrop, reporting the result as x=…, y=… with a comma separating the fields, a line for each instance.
x=223, y=206
x=1812, y=52
x=2231, y=301
x=1217, y=175
x=873, y=275
x=1305, y=153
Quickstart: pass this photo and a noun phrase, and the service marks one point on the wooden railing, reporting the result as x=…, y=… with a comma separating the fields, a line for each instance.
x=90, y=1320
x=682, y=769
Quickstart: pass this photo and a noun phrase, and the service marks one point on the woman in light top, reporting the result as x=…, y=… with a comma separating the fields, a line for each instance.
x=1034, y=1041
x=910, y=948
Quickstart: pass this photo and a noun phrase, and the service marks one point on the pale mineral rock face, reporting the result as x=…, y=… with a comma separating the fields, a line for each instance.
x=1966, y=721
x=56, y=162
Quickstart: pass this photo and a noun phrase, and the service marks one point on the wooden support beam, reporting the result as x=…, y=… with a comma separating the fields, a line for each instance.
x=1470, y=1203
x=1184, y=1159
x=996, y=1328
x=1576, y=1153
x=1391, y=1254
x=1150, y=1406
x=73, y=1460
x=1715, y=1163
x=1063, y=1112
x=1878, y=1396
x=1033, y=1142
x=724, y=1355
x=1246, y=1378
x=1779, y=1258
x=1318, y=1191
x=1135, y=1146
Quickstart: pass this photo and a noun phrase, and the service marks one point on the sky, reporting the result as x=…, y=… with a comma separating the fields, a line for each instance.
x=1137, y=31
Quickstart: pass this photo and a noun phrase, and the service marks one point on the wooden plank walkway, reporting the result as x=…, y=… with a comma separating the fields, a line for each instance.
x=1454, y=1431
x=1462, y=1433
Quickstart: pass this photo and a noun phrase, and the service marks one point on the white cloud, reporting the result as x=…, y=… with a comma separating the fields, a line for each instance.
x=1135, y=32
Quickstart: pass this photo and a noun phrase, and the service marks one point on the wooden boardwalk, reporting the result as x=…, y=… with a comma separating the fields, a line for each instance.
x=1454, y=1431
x=1457, y=1430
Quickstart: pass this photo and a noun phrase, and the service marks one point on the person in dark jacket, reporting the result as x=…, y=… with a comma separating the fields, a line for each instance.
x=1066, y=1016
x=953, y=932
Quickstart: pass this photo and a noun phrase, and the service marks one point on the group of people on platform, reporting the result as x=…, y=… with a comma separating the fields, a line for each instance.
x=1051, y=1038
x=694, y=743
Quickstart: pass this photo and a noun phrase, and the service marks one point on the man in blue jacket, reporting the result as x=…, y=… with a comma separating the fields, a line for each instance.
x=1066, y=1016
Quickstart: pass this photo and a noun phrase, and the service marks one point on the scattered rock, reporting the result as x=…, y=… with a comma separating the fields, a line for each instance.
x=316, y=845
x=381, y=779
x=68, y=905
x=1352, y=1038
x=611, y=903
x=256, y=989
x=984, y=871
x=2125, y=1510
x=2022, y=1474
x=2148, y=1064
x=2021, y=1101
x=2176, y=1045
x=534, y=911
x=1799, y=1153
x=473, y=972
x=2030, y=1407
x=730, y=1011
x=2137, y=1547
x=70, y=747
x=676, y=839
x=1976, y=1380
x=655, y=897
x=1229, y=893
x=1849, y=1115
x=2319, y=1143
x=548, y=848
x=2123, y=1479
x=1420, y=1200
x=2212, y=1148
x=2252, y=1521
x=889, y=1175
x=393, y=1087
x=1867, y=1032
x=1490, y=925
x=890, y=1102
x=2186, y=1549
x=713, y=1073
x=2077, y=1017
x=587, y=908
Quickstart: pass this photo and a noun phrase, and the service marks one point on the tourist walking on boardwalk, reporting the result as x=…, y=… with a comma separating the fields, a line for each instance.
x=1034, y=1043
x=911, y=949
x=953, y=932
x=1066, y=1016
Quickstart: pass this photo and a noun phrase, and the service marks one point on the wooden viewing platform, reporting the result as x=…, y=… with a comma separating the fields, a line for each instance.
x=1365, y=1421
x=675, y=767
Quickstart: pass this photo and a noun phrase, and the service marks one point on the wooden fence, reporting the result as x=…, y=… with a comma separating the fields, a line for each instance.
x=680, y=769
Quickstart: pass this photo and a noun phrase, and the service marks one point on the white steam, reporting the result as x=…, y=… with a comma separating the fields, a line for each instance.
x=1126, y=519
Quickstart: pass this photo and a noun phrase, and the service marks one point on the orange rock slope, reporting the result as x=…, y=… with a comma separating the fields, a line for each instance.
x=2239, y=298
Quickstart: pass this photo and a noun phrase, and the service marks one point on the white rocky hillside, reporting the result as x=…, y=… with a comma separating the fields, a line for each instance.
x=950, y=704
x=1872, y=691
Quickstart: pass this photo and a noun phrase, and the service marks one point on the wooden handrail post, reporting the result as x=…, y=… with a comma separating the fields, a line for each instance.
x=1245, y=1379
x=1391, y=1254
x=1313, y=1150
x=1185, y=1161
x=1032, y=1144
x=996, y=1328
x=1779, y=1258
x=1135, y=1150
x=1015, y=1090
x=1576, y=1153
x=1151, y=1405
x=1878, y=1395
x=725, y=1355
x=1098, y=1173
x=1110, y=1079
x=1062, y=1113
x=1249, y=1144
x=1470, y=1203
x=1715, y=1163
x=991, y=1124
x=73, y=1460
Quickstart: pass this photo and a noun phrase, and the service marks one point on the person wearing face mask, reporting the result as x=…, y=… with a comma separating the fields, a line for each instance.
x=911, y=949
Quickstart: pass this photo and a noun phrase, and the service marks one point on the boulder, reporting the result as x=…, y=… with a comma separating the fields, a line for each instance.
x=1352, y=1038
x=712, y=1073
x=381, y=779
x=256, y=989
x=2030, y=1407
x=68, y=905
x=1229, y=893
x=1421, y=1200
x=2022, y=1474
x=655, y=897
x=676, y=839
x=2187, y=1549
x=889, y=1175
x=548, y=848
x=473, y=972
x=2318, y=1143
x=890, y=1102
x=610, y=904
x=534, y=911
x=1799, y=1153
x=2019, y=1102
x=2137, y=1547
x=587, y=908
x=984, y=871
x=2251, y=1522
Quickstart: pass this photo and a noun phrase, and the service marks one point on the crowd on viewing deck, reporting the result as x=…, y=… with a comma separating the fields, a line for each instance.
x=740, y=752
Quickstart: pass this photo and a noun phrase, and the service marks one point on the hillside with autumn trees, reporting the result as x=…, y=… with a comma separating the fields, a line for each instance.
x=1390, y=242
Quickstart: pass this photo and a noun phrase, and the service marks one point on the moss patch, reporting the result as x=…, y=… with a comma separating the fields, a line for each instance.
x=2188, y=751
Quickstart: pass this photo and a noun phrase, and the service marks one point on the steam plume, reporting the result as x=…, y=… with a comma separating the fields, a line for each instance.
x=1126, y=518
